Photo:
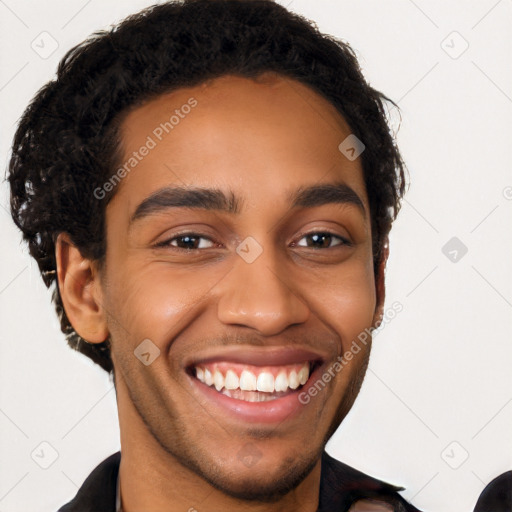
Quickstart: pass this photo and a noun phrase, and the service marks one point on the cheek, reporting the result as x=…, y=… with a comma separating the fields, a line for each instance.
x=155, y=300
x=345, y=299
x=352, y=312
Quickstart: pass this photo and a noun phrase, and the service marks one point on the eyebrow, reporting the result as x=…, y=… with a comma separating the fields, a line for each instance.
x=180, y=197
x=217, y=200
x=326, y=193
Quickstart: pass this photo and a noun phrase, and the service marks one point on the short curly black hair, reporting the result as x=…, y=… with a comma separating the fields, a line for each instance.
x=67, y=142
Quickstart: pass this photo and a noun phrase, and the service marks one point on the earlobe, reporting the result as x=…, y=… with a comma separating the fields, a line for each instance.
x=80, y=291
x=380, y=285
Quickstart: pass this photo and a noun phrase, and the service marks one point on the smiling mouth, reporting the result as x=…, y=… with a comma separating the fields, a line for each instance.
x=251, y=383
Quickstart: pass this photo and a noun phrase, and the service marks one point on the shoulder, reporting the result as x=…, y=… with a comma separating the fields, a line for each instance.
x=342, y=486
x=98, y=492
x=497, y=496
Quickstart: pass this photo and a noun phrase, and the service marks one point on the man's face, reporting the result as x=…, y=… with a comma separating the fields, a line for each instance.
x=256, y=160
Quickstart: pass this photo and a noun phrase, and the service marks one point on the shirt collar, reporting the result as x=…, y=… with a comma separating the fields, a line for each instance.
x=118, y=495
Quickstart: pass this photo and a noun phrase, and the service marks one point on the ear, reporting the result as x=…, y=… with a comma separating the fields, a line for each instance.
x=380, y=286
x=80, y=291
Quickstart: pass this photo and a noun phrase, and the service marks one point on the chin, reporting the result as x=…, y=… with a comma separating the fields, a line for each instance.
x=266, y=485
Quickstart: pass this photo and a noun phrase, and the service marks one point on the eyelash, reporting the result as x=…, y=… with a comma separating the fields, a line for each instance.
x=342, y=241
x=167, y=243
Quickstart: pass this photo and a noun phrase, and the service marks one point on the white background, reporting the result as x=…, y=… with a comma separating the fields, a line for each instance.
x=439, y=388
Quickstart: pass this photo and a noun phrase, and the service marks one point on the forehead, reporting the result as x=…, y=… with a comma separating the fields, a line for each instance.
x=264, y=136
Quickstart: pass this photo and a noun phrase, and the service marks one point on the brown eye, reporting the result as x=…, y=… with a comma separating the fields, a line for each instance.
x=321, y=240
x=188, y=241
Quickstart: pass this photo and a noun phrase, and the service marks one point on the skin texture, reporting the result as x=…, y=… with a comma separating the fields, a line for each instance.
x=259, y=141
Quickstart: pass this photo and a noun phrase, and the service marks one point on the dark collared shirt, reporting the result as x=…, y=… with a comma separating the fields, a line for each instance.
x=497, y=496
x=340, y=487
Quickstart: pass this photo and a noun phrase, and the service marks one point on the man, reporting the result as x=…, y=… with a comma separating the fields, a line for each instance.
x=210, y=187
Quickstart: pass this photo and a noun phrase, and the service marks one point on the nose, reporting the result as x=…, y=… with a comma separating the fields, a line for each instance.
x=258, y=295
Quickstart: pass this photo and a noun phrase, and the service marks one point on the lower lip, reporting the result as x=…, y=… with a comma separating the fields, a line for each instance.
x=274, y=411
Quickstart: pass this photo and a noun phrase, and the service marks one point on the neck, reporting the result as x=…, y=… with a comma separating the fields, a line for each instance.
x=151, y=479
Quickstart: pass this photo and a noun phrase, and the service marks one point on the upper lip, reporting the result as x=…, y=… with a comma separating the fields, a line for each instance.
x=259, y=356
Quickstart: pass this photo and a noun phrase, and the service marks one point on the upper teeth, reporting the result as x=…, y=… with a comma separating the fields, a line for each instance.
x=254, y=380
